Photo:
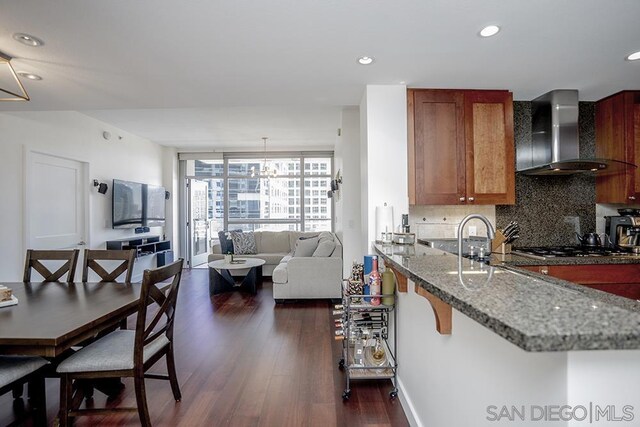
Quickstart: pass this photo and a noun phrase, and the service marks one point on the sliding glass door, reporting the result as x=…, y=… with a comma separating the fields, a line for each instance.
x=243, y=192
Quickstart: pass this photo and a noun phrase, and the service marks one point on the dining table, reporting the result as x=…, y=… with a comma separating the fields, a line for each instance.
x=52, y=317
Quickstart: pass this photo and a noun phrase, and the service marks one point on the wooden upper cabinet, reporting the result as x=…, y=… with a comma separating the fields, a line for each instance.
x=490, y=148
x=618, y=138
x=461, y=147
x=438, y=151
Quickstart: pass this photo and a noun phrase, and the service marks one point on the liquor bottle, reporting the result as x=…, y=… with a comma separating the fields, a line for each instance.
x=388, y=286
x=375, y=282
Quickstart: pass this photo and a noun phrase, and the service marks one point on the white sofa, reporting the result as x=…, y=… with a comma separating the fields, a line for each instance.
x=295, y=277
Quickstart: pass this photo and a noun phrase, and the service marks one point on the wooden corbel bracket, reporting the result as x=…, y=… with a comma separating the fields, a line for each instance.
x=401, y=280
x=441, y=310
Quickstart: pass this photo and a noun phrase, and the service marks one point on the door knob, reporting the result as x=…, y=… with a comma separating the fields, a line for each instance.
x=462, y=199
x=471, y=199
x=632, y=197
x=81, y=243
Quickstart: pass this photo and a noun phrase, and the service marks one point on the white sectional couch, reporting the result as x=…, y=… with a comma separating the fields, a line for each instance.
x=306, y=277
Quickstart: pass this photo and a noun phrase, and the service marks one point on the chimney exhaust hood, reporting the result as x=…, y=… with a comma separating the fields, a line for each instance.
x=554, y=148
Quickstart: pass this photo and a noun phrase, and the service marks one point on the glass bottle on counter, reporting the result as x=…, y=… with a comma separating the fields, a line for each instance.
x=375, y=282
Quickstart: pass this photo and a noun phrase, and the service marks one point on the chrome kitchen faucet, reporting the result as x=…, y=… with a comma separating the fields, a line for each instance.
x=491, y=234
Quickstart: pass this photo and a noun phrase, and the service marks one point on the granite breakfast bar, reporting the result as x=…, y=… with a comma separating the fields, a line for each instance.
x=513, y=337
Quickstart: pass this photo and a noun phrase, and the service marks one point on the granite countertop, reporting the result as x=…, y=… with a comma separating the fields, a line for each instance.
x=534, y=312
x=517, y=260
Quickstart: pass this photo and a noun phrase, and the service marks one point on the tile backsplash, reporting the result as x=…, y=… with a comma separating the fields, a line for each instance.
x=442, y=221
x=551, y=209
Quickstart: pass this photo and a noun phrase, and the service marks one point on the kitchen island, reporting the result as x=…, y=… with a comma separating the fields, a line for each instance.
x=516, y=338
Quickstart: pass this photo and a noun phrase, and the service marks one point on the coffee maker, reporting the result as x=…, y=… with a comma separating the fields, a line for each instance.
x=624, y=231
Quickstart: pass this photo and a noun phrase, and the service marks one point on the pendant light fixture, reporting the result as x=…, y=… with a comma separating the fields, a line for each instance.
x=8, y=90
x=266, y=171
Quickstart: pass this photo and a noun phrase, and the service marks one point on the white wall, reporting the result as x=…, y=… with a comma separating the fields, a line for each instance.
x=347, y=200
x=170, y=179
x=605, y=378
x=75, y=136
x=450, y=380
x=383, y=154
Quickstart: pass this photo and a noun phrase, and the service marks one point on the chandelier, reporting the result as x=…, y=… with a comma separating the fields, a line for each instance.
x=11, y=89
x=266, y=171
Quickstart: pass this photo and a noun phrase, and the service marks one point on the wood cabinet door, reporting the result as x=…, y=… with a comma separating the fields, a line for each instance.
x=618, y=138
x=490, y=147
x=436, y=147
x=617, y=279
x=611, y=144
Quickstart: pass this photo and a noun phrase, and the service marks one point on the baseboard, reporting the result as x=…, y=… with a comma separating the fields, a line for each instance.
x=407, y=405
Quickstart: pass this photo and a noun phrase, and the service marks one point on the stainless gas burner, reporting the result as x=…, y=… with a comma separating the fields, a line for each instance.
x=567, y=251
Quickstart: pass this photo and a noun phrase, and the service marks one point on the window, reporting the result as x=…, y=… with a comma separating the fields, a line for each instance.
x=237, y=200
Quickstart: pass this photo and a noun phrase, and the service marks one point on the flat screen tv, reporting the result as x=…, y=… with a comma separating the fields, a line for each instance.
x=127, y=206
x=154, y=206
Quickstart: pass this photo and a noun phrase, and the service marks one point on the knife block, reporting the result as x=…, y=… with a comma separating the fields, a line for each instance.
x=498, y=244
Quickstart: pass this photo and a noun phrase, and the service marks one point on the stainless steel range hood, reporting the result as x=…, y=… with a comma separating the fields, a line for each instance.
x=554, y=148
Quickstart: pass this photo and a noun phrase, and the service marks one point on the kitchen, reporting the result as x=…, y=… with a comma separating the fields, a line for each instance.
x=475, y=365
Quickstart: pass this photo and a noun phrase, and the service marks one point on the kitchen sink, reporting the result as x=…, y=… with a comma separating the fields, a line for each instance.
x=451, y=244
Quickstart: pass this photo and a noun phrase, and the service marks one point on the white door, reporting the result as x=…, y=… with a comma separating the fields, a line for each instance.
x=199, y=221
x=55, y=203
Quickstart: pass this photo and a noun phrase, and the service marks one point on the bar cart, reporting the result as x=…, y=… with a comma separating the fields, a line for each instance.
x=364, y=331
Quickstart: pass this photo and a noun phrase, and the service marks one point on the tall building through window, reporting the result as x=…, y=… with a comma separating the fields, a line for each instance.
x=236, y=200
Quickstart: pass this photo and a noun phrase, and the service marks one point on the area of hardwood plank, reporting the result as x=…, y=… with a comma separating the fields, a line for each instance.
x=244, y=361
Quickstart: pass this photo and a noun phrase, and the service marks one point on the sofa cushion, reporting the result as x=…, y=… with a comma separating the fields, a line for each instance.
x=272, y=242
x=305, y=247
x=272, y=259
x=325, y=235
x=295, y=235
x=244, y=243
x=325, y=248
x=280, y=274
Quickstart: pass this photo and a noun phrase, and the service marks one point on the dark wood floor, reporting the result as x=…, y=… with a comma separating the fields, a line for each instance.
x=244, y=361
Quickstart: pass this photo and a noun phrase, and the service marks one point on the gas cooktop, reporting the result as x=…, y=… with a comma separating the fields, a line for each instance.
x=544, y=252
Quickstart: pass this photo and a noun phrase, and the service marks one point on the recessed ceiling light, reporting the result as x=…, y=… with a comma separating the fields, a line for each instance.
x=29, y=76
x=28, y=39
x=489, y=30
x=634, y=56
x=365, y=60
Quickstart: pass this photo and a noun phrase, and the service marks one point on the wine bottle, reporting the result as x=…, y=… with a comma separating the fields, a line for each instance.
x=375, y=282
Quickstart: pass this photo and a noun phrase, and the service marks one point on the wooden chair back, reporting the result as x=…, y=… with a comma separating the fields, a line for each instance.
x=92, y=256
x=35, y=256
x=150, y=295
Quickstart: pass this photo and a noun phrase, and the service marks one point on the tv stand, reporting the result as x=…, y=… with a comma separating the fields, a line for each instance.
x=144, y=246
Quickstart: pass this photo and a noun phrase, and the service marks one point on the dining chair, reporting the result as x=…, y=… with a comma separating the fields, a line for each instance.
x=128, y=353
x=34, y=258
x=92, y=256
x=16, y=371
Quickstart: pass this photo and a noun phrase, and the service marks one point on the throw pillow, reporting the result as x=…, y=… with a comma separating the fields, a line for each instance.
x=325, y=235
x=244, y=243
x=305, y=247
x=226, y=244
x=325, y=248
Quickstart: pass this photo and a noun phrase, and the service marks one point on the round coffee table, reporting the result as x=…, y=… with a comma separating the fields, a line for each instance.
x=221, y=280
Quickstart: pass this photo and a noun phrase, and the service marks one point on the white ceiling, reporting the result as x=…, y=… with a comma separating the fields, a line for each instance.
x=147, y=60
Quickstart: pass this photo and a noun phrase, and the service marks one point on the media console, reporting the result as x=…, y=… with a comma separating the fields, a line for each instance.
x=145, y=245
